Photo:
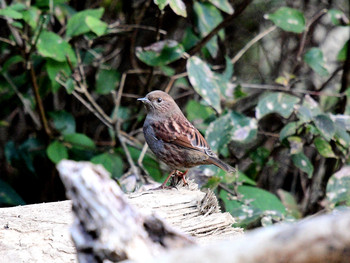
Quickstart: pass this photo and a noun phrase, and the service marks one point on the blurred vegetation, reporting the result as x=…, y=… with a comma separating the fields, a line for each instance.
x=267, y=82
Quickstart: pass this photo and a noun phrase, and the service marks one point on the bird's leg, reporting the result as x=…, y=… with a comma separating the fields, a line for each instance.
x=163, y=186
x=182, y=175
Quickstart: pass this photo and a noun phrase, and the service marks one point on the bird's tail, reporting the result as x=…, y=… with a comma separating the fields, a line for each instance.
x=224, y=166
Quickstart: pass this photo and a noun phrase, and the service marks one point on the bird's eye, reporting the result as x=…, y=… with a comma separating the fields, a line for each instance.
x=159, y=100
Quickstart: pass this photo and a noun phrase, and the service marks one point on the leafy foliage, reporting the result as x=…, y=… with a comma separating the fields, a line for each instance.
x=277, y=109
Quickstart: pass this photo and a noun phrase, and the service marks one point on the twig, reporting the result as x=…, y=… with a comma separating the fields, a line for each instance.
x=13, y=30
x=345, y=81
x=306, y=31
x=134, y=35
x=133, y=167
x=36, y=38
x=92, y=109
x=172, y=80
x=39, y=102
x=238, y=10
x=25, y=103
x=335, y=72
x=159, y=24
x=83, y=89
x=139, y=162
x=118, y=96
x=282, y=88
x=8, y=41
x=252, y=42
x=130, y=27
x=117, y=121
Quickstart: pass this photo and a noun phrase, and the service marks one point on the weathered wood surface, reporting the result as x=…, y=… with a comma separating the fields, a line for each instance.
x=321, y=239
x=108, y=227
x=192, y=211
x=40, y=232
x=36, y=233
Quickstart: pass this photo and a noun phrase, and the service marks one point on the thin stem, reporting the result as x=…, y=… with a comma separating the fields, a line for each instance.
x=172, y=80
x=306, y=32
x=282, y=88
x=39, y=101
x=238, y=10
x=251, y=43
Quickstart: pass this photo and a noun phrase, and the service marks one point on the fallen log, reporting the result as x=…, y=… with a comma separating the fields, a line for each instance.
x=157, y=226
x=108, y=227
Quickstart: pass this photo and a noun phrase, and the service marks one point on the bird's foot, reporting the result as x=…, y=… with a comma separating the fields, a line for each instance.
x=181, y=175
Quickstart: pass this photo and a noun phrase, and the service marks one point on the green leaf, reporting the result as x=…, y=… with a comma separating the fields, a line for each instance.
x=244, y=214
x=244, y=129
x=151, y=165
x=10, y=12
x=11, y=61
x=288, y=19
x=49, y=3
x=196, y=110
x=111, y=162
x=324, y=148
x=96, y=25
x=288, y=130
x=325, y=125
x=245, y=179
x=308, y=110
x=295, y=144
x=290, y=203
x=303, y=163
x=77, y=23
x=335, y=16
x=342, y=120
x=168, y=71
x=8, y=196
x=223, y=5
x=208, y=17
x=107, y=80
x=342, y=53
x=314, y=58
x=341, y=135
x=56, y=152
x=160, y=53
x=51, y=45
x=232, y=126
x=63, y=121
x=54, y=68
x=190, y=39
x=204, y=82
x=219, y=132
x=178, y=7
x=31, y=16
x=277, y=102
x=161, y=3
x=79, y=141
x=338, y=187
x=70, y=86
x=261, y=199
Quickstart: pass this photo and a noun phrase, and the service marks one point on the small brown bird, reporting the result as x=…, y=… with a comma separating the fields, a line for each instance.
x=173, y=139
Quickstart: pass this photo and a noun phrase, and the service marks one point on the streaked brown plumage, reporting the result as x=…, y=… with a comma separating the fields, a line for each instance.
x=173, y=139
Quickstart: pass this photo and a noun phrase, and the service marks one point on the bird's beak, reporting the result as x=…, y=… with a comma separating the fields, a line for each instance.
x=144, y=100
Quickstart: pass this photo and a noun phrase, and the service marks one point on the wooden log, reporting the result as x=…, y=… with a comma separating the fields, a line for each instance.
x=108, y=227
x=320, y=239
x=37, y=233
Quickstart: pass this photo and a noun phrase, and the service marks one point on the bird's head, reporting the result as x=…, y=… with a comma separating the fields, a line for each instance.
x=160, y=103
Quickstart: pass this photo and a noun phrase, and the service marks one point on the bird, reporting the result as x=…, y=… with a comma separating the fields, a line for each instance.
x=173, y=139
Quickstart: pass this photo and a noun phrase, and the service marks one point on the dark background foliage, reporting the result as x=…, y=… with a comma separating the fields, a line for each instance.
x=266, y=82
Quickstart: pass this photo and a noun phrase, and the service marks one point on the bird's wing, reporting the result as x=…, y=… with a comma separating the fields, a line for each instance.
x=181, y=132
